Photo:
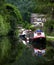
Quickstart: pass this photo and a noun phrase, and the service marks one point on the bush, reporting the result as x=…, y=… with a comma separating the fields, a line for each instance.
x=49, y=27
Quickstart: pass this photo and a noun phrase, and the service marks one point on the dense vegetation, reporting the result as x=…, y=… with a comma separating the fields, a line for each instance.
x=27, y=7
x=13, y=13
x=9, y=46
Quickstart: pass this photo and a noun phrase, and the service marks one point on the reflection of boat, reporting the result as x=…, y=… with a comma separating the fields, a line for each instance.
x=39, y=42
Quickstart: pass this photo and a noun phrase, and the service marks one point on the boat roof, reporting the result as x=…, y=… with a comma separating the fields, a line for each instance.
x=38, y=30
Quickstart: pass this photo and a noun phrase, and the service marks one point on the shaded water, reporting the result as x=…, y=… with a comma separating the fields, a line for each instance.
x=8, y=49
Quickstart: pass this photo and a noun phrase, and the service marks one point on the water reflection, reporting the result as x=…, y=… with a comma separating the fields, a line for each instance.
x=8, y=47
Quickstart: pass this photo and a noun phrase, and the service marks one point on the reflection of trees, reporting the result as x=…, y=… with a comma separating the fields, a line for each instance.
x=5, y=47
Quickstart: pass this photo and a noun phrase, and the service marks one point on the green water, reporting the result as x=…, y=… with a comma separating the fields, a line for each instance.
x=9, y=50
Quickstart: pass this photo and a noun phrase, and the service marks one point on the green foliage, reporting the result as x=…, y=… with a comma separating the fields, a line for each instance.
x=35, y=60
x=25, y=7
x=4, y=26
x=9, y=19
x=12, y=52
x=33, y=6
x=5, y=47
x=49, y=27
x=9, y=53
x=15, y=10
x=49, y=52
x=9, y=45
x=43, y=6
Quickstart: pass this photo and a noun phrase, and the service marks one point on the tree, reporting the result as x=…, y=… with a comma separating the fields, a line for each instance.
x=52, y=2
x=49, y=27
x=25, y=6
x=9, y=47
